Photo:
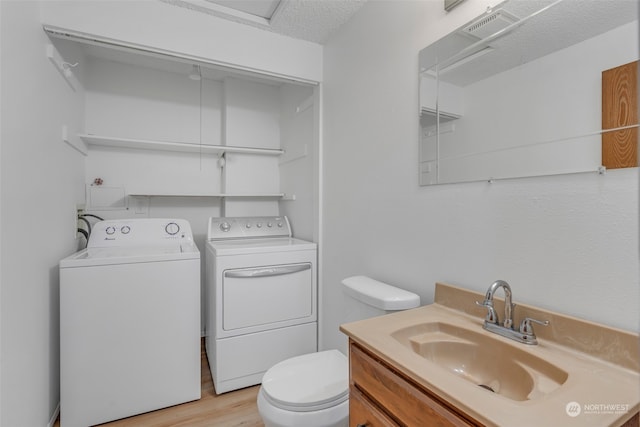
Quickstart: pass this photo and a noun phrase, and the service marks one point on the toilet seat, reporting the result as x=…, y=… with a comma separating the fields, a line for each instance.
x=308, y=383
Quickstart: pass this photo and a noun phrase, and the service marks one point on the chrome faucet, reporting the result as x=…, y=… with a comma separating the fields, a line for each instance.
x=492, y=317
x=525, y=333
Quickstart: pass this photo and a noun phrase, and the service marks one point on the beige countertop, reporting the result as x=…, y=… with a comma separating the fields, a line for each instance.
x=601, y=363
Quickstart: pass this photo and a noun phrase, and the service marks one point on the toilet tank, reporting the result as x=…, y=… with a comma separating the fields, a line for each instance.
x=367, y=298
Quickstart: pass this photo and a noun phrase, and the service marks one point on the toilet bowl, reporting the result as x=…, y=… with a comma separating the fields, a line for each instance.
x=312, y=390
x=309, y=390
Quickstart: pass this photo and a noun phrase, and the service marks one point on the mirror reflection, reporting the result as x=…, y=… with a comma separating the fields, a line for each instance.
x=531, y=87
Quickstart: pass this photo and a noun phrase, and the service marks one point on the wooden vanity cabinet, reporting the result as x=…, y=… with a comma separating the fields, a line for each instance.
x=364, y=412
x=633, y=422
x=382, y=397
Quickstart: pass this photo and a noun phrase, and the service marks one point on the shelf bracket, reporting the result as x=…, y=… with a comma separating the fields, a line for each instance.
x=305, y=105
x=222, y=159
x=64, y=68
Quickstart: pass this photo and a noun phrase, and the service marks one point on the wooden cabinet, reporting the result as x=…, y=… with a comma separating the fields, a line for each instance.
x=364, y=412
x=381, y=397
x=633, y=422
x=620, y=109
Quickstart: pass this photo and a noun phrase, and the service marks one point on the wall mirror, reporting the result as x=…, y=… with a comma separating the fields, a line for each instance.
x=530, y=88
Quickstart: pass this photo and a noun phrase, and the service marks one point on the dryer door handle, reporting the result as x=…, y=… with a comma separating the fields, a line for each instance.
x=267, y=271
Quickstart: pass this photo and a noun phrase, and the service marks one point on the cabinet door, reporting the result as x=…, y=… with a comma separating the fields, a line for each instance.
x=362, y=412
x=405, y=402
x=620, y=108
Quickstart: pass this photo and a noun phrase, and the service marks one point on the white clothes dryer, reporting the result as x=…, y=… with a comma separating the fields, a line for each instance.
x=129, y=321
x=261, y=298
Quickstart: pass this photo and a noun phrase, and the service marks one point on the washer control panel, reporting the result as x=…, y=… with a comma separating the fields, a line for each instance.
x=139, y=232
x=248, y=227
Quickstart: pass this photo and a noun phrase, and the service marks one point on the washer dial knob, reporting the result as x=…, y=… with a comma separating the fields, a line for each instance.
x=125, y=229
x=110, y=230
x=172, y=228
x=225, y=226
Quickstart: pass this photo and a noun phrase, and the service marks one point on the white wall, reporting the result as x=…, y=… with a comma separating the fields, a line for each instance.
x=298, y=170
x=137, y=102
x=41, y=180
x=567, y=243
x=251, y=118
x=152, y=103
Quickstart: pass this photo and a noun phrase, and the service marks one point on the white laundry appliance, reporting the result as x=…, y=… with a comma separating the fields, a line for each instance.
x=129, y=321
x=261, y=302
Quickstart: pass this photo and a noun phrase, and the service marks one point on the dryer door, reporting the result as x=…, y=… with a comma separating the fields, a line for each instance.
x=267, y=297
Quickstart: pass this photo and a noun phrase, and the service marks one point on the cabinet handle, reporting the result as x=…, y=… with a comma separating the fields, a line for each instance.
x=361, y=425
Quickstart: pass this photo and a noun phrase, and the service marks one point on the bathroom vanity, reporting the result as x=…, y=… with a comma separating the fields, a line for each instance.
x=395, y=394
x=437, y=366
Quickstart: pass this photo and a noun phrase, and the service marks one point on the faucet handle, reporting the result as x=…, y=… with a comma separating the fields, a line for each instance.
x=527, y=328
x=492, y=316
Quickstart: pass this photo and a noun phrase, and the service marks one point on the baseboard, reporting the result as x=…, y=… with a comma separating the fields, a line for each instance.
x=53, y=419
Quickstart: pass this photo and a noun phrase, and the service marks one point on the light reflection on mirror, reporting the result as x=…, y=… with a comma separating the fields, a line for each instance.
x=518, y=91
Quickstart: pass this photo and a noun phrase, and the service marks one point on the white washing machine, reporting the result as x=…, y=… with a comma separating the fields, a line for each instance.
x=129, y=321
x=261, y=302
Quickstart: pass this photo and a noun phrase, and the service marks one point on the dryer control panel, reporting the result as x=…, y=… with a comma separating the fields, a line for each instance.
x=140, y=232
x=222, y=228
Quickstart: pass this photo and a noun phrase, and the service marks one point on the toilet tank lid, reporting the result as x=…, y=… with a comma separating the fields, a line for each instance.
x=379, y=294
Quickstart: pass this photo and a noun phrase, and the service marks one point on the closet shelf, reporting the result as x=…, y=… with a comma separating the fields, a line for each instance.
x=185, y=147
x=221, y=195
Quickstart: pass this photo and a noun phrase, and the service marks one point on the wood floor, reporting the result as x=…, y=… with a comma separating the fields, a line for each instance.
x=236, y=408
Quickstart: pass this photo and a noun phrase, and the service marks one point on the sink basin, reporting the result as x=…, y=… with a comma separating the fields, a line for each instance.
x=482, y=360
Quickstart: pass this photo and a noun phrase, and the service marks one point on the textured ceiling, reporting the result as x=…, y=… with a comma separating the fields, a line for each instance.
x=311, y=20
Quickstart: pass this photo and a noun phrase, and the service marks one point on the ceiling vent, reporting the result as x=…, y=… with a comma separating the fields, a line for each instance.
x=490, y=24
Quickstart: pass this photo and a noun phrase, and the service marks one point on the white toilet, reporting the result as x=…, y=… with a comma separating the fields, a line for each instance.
x=313, y=390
